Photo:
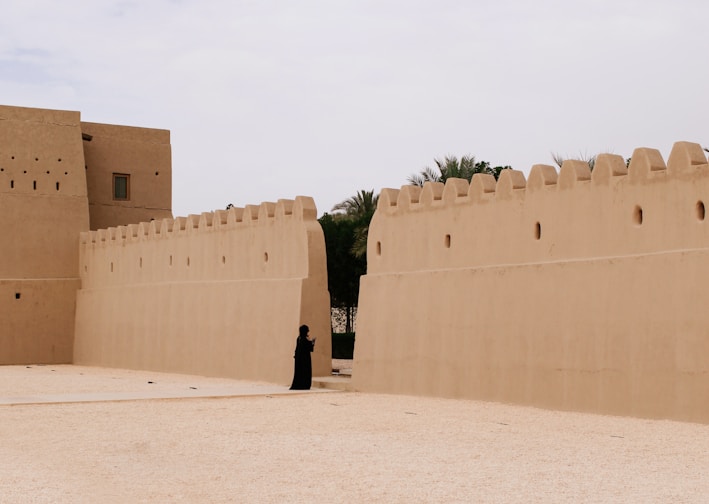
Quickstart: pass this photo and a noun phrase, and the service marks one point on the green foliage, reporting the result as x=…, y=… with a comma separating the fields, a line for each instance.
x=346, y=245
x=359, y=208
x=451, y=167
x=343, y=345
x=343, y=268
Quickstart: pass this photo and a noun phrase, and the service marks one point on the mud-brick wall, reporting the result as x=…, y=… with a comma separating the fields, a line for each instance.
x=575, y=290
x=44, y=207
x=216, y=294
x=144, y=156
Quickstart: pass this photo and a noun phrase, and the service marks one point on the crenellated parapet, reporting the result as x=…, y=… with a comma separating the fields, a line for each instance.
x=648, y=207
x=270, y=240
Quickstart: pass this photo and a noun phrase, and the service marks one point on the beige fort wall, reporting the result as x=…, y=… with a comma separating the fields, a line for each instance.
x=145, y=155
x=44, y=206
x=571, y=290
x=216, y=294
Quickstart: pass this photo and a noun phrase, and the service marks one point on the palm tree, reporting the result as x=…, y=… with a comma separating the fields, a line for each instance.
x=362, y=204
x=451, y=167
x=359, y=208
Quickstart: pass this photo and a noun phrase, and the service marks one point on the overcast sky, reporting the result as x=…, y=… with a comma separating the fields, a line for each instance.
x=273, y=99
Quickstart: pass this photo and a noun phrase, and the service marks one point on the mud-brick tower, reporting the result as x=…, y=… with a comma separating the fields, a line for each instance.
x=44, y=207
x=59, y=177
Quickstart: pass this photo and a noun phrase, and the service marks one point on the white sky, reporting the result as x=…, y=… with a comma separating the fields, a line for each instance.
x=272, y=99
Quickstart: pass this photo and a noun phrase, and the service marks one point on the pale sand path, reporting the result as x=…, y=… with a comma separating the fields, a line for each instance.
x=325, y=447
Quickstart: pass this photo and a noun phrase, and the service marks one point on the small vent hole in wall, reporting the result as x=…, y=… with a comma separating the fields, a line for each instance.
x=57, y=186
x=111, y=267
x=538, y=231
x=447, y=241
x=188, y=262
x=34, y=185
x=265, y=257
x=47, y=172
x=638, y=215
x=59, y=160
x=86, y=268
x=701, y=212
x=157, y=173
x=140, y=262
x=170, y=260
x=12, y=184
x=379, y=248
x=36, y=159
x=17, y=295
x=223, y=259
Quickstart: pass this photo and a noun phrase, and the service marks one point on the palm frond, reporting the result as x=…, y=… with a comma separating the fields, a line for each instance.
x=558, y=159
x=359, y=247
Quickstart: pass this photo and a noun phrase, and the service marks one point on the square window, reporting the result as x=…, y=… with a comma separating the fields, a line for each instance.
x=121, y=186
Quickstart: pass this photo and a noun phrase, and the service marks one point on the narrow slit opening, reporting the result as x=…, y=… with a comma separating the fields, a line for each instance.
x=638, y=215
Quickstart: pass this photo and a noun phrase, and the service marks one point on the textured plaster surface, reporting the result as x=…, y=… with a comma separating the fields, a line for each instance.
x=573, y=290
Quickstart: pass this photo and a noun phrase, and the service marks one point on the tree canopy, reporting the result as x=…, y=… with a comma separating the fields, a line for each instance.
x=359, y=208
x=345, y=233
x=452, y=167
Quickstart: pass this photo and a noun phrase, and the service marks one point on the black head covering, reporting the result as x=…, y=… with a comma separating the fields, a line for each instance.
x=304, y=330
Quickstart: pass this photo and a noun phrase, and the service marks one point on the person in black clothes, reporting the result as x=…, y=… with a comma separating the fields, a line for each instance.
x=303, y=374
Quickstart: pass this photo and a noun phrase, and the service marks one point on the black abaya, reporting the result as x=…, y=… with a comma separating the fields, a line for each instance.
x=303, y=374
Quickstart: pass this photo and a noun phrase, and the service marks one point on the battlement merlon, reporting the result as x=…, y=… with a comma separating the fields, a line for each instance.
x=301, y=209
x=574, y=213
x=683, y=158
x=266, y=241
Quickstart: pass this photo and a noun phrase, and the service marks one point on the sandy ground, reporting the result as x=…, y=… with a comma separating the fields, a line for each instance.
x=325, y=447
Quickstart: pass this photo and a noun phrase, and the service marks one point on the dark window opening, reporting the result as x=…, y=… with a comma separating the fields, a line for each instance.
x=17, y=295
x=121, y=186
